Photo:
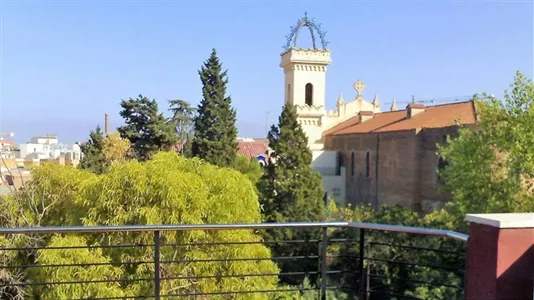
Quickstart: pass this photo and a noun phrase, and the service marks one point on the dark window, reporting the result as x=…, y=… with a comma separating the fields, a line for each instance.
x=352, y=164
x=309, y=94
x=367, y=165
x=338, y=163
x=442, y=163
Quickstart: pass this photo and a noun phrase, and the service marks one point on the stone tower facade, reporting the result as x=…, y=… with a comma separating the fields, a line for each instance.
x=305, y=86
x=305, y=89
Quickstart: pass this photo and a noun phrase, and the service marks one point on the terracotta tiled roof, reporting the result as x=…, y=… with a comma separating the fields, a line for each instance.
x=433, y=117
x=249, y=149
x=252, y=149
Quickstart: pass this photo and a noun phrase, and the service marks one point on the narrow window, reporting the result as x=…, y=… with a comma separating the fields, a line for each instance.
x=367, y=165
x=338, y=163
x=352, y=164
x=442, y=164
x=309, y=94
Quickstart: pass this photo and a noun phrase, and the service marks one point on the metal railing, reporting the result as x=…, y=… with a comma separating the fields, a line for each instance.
x=339, y=260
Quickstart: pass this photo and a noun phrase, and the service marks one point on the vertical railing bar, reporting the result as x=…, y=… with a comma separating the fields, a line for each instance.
x=368, y=268
x=363, y=292
x=157, y=266
x=324, y=247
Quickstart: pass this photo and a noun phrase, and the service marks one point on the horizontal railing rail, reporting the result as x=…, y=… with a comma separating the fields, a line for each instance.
x=360, y=260
x=258, y=226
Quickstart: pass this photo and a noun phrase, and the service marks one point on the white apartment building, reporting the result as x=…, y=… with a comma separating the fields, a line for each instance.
x=46, y=147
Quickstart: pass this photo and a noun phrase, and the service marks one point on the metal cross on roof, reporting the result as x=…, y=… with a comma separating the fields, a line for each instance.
x=359, y=86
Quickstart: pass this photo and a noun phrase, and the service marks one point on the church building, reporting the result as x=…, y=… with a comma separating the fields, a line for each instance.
x=364, y=155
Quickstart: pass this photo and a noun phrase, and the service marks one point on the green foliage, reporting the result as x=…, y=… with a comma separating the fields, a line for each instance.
x=93, y=158
x=115, y=148
x=250, y=167
x=97, y=268
x=215, y=130
x=290, y=191
x=183, y=115
x=49, y=199
x=393, y=267
x=492, y=169
x=146, y=128
x=169, y=189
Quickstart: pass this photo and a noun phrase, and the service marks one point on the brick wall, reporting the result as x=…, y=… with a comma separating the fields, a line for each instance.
x=402, y=167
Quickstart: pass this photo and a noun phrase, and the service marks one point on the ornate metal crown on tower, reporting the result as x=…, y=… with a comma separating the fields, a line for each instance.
x=291, y=38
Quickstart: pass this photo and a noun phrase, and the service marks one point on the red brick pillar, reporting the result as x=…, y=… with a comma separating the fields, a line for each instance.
x=500, y=257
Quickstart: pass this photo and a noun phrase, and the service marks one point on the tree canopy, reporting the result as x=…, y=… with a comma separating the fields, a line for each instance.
x=491, y=169
x=92, y=158
x=291, y=191
x=183, y=115
x=215, y=130
x=146, y=128
x=168, y=189
x=250, y=167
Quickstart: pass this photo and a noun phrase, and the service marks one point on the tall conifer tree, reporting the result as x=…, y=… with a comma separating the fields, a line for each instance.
x=93, y=157
x=215, y=130
x=291, y=191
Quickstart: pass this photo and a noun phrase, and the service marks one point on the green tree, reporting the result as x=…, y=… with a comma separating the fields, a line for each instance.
x=146, y=128
x=168, y=189
x=215, y=130
x=290, y=191
x=491, y=169
x=250, y=167
x=183, y=115
x=115, y=148
x=93, y=158
x=395, y=267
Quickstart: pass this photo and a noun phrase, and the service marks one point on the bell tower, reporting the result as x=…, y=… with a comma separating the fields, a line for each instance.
x=305, y=77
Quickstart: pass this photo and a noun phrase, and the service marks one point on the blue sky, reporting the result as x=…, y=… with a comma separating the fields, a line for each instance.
x=67, y=63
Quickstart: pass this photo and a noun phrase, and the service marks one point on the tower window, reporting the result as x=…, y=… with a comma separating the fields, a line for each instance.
x=352, y=164
x=309, y=94
x=367, y=165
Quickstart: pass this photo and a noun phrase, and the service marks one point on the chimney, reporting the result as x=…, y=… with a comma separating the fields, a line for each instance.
x=413, y=109
x=106, y=124
x=365, y=115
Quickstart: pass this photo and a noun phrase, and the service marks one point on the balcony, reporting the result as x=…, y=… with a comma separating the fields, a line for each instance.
x=339, y=260
x=343, y=260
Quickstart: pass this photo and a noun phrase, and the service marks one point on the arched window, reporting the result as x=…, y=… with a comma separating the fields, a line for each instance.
x=367, y=165
x=352, y=164
x=309, y=94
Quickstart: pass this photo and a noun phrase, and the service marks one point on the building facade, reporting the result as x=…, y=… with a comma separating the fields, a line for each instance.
x=391, y=157
x=365, y=155
x=305, y=88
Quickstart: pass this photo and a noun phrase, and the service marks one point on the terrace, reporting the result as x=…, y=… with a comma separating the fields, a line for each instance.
x=346, y=260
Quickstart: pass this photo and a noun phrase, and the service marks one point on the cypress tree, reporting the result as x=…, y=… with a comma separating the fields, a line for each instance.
x=93, y=157
x=291, y=191
x=215, y=131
